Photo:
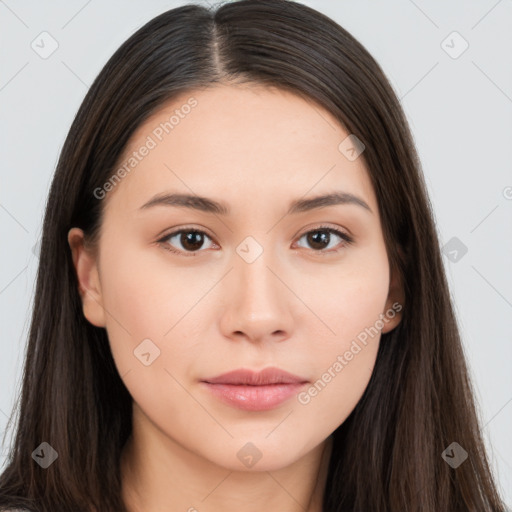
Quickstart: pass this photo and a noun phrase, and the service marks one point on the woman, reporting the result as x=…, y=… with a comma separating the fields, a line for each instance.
x=241, y=301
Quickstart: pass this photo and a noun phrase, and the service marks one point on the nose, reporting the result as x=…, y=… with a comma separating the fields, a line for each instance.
x=259, y=304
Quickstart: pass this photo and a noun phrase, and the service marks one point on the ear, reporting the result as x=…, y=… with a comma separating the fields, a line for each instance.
x=86, y=268
x=394, y=304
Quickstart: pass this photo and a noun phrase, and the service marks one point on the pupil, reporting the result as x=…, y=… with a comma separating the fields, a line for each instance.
x=192, y=240
x=319, y=242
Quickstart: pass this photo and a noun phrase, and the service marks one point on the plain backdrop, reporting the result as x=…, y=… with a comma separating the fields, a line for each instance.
x=450, y=63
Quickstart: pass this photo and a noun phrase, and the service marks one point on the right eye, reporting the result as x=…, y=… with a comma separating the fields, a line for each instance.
x=191, y=240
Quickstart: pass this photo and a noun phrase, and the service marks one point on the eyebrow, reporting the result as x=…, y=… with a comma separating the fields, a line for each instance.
x=208, y=205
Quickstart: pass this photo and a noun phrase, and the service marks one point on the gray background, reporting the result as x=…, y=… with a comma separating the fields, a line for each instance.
x=459, y=105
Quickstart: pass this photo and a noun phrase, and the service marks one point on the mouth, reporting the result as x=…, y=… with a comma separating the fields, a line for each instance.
x=255, y=391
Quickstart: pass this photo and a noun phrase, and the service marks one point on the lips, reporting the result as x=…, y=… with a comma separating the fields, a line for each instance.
x=255, y=391
x=267, y=376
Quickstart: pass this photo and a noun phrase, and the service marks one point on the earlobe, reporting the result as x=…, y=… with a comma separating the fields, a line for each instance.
x=394, y=305
x=86, y=269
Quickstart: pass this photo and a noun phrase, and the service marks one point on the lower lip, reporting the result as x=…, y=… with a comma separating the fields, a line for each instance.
x=254, y=398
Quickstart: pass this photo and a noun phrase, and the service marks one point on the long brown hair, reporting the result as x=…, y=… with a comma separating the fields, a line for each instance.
x=387, y=454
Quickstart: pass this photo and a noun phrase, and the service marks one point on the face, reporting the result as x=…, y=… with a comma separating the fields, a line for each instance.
x=190, y=291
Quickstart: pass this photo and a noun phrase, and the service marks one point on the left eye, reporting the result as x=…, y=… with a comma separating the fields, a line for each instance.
x=321, y=238
x=191, y=240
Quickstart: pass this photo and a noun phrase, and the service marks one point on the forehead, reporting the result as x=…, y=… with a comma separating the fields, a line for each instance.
x=237, y=141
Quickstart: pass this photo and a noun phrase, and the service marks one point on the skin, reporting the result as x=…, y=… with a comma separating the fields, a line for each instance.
x=256, y=149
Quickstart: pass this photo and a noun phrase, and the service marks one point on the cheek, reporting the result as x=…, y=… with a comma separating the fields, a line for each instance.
x=144, y=294
x=342, y=364
x=150, y=305
x=352, y=305
x=143, y=306
x=339, y=385
x=351, y=299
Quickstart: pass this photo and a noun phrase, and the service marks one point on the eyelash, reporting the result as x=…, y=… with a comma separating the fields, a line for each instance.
x=347, y=240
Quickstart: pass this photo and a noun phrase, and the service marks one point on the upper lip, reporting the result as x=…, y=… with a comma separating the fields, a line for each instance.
x=271, y=375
